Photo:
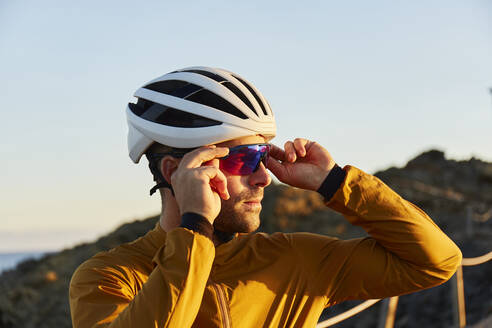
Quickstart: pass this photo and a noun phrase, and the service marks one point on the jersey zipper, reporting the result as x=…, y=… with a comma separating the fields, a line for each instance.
x=223, y=308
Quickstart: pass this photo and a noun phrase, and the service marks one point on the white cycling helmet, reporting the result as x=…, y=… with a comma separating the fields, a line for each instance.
x=196, y=106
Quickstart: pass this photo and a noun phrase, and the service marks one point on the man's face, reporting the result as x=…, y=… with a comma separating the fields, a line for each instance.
x=241, y=212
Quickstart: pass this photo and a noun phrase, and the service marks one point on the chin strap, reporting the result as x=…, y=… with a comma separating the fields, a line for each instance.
x=161, y=185
x=153, y=166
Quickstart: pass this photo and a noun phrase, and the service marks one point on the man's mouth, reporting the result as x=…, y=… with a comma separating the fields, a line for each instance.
x=253, y=203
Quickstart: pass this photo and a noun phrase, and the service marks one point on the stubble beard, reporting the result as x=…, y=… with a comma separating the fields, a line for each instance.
x=234, y=217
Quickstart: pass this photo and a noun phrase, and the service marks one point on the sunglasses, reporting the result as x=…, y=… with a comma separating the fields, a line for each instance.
x=241, y=160
x=245, y=159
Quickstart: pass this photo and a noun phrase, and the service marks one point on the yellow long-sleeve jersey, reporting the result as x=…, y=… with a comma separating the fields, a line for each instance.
x=179, y=279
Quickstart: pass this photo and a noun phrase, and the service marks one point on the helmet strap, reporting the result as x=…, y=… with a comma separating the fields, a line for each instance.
x=154, y=168
x=161, y=185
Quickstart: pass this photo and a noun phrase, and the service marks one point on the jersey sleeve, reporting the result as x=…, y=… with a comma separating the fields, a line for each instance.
x=103, y=293
x=406, y=250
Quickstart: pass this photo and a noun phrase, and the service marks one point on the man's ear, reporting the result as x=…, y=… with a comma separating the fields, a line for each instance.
x=168, y=165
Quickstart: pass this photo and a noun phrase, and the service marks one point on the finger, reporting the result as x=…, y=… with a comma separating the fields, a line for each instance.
x=198, y=156
x=277, y=169
x=214, y=162
x=300, y=146
x=277, y=153
x=219, y=183
x=216, y=179
x=290, y=151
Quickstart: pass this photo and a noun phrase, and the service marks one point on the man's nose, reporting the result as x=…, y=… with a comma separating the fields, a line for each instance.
x=260, y=178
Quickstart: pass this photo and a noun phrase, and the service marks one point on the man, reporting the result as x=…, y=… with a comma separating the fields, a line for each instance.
x=205, y=132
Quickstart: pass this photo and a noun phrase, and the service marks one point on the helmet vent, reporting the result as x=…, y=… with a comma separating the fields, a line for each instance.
x=254, y=94
x=174, y=88
x=210, y=75
x=195, y=93
x=242, y=96
x=208, y=98
x=165, y=115
x=227, y=84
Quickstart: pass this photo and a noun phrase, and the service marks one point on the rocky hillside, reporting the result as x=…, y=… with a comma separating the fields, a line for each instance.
x=457, y=195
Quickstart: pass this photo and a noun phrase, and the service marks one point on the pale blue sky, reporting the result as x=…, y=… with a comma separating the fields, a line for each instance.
x=375, y=82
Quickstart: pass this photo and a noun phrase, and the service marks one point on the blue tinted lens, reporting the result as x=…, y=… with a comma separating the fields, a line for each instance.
x=244, y=159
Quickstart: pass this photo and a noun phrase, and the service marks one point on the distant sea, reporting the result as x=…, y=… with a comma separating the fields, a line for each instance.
x=10, y=260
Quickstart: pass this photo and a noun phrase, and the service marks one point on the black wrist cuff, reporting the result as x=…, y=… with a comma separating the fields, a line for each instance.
x=197, y=223
x=332, y=182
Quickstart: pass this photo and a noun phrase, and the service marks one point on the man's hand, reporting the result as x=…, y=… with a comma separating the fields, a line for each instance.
x=302, y=163
x=198, y=188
